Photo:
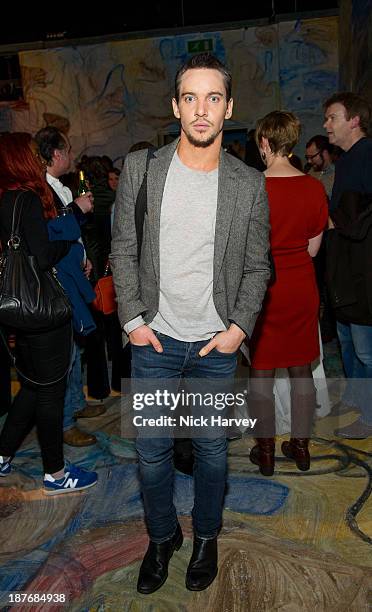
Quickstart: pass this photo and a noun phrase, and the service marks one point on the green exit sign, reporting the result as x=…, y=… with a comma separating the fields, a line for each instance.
x=198, y=46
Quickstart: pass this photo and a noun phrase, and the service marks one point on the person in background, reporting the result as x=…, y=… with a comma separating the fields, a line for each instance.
x=55, y=149
x=5, y=380
x=107, y=162
x=319, y=155
x=286, y=332
x=41, y=356
x=97, y=231
x=252, y=154
x=347, y=121
x=296, y=162
x=113, y=178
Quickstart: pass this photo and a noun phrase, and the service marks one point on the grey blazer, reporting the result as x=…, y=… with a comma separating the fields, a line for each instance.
x=241, y=268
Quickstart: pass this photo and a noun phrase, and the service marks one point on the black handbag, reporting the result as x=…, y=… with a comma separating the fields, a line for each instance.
x=31, y=299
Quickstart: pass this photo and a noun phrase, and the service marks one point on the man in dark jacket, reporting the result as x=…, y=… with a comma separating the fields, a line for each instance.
x=347, y=118
x=56, y=151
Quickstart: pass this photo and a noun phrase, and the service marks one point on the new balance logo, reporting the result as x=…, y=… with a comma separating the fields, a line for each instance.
x=71, y=483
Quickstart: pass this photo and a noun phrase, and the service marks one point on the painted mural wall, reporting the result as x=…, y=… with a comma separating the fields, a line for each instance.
x=362, y=39
x=111, y=95
x=356, y=47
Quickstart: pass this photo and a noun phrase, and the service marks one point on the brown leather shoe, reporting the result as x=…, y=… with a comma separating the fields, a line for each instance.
x=89, y=411
x=297, y=449
x=77, y=437
x=263, y=455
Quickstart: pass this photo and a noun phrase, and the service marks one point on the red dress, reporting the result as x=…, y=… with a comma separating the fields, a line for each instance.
x=286, y=332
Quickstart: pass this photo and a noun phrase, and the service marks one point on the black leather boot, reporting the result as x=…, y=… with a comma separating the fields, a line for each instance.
x=202, y=568
x=154, y=569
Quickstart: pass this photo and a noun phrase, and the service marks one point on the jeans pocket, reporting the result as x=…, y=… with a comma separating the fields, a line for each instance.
x=225, y=354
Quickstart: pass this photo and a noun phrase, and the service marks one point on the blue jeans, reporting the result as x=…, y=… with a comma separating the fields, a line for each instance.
x=74, y=397
x=356, y=349
x=181, y=360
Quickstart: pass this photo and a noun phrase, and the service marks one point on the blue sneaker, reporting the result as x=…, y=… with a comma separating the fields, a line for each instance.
x=75, y=479
x=5, y=466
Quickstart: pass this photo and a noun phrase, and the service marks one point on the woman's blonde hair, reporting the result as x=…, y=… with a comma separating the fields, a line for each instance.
x=282, y=129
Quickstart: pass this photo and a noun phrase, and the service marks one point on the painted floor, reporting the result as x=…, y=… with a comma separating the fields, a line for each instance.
x=293, y=542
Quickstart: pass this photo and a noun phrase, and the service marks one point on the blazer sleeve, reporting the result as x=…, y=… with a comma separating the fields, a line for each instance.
x=35, y=232
x=123, y=257
x=256, y=272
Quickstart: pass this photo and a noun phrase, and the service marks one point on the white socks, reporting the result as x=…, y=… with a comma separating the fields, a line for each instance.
x=55, y=476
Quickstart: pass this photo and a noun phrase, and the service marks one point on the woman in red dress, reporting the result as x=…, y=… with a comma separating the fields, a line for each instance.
x=286, y=333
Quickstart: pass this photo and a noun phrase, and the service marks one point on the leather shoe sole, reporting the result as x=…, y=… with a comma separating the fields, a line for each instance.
x=145, y=591
x=301, y=457
x=192, y=587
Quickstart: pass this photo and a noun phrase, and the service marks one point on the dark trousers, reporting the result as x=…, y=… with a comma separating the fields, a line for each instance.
x=43, y=357
x=120, y=357
x=5, y=395
x=97, y=240
x=95, y=357
x=327, y=320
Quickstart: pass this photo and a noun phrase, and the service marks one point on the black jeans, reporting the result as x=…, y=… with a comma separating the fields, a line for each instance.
x=120, y=357
x=95, y=357
x=43, y=357
x=5, y=396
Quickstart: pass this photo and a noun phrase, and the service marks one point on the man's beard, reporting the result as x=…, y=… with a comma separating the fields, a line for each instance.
x=203, y=144
x=319, y=167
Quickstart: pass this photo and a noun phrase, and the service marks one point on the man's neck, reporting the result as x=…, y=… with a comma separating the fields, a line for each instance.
x=52, y=172
x=327, y=164
x=354, y=138
x=199, y=158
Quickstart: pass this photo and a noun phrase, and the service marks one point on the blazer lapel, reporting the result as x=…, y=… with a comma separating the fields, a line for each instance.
x=227, y=194
x=156, y=177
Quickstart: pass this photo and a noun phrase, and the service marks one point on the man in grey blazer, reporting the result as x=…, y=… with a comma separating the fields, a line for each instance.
x=192, y=299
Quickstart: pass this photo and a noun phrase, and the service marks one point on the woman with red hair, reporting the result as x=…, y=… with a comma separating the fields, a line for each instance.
x=41, y=356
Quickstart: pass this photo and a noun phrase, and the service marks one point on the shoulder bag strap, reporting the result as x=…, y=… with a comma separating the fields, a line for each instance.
x=34, y=382
x=15, y=238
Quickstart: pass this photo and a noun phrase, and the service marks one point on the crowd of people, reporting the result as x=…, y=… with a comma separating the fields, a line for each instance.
x=226, y=259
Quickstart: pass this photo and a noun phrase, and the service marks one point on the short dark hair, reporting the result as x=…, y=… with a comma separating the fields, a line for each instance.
x=203, y=60
x=282, y=130
x=355, y=106
x=321, y=142
x=49, y=139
